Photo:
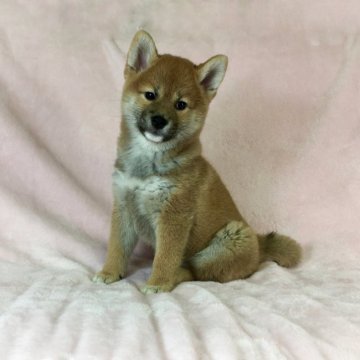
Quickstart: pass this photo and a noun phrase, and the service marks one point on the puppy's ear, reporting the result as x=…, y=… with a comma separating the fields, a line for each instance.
x=141, y=54
x=211, y=73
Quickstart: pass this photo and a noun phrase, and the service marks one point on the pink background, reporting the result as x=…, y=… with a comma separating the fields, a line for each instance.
x=283, y=132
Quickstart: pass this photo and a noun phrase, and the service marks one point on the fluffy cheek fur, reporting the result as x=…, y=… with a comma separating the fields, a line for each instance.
x=131, y=106
x=191, y=125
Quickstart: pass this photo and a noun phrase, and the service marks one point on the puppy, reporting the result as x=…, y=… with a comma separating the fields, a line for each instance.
x=164, y=190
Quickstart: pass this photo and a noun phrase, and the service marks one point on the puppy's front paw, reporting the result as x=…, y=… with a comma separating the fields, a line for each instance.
x=154, y=289
x=105, y=278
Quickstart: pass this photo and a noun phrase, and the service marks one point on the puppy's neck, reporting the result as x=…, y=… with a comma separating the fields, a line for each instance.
x=140, y=158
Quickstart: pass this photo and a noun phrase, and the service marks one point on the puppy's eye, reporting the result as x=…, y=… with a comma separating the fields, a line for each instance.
x=180, y=105
x=150, y=95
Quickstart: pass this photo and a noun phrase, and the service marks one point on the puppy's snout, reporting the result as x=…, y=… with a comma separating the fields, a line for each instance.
x=158, y=122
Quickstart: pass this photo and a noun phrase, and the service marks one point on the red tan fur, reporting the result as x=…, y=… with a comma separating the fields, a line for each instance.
x=166, y=192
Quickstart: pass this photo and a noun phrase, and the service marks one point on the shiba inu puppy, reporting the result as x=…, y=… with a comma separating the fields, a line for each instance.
x=164, y=190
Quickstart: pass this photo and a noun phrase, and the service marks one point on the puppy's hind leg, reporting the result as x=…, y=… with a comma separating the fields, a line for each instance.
x=232, y=254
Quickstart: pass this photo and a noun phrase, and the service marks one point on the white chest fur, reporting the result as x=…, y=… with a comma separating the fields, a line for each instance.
x=151, y=186
x=141, y=200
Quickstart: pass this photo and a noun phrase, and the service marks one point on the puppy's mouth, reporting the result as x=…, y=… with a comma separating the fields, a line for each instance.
x=153, y=137
x=156, y=136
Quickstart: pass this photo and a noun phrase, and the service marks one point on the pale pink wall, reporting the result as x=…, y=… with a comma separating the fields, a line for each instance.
x=284, y=130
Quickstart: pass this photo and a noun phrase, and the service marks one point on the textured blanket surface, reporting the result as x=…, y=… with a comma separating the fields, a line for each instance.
x=283, y=132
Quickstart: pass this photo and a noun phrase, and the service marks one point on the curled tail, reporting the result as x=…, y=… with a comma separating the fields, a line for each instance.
x=279, y=248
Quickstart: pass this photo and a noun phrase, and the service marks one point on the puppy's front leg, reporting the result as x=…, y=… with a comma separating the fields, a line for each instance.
x=172, y=235
x=121, y=244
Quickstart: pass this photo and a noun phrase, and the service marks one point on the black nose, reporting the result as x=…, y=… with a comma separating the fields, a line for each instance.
x=158, y=122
